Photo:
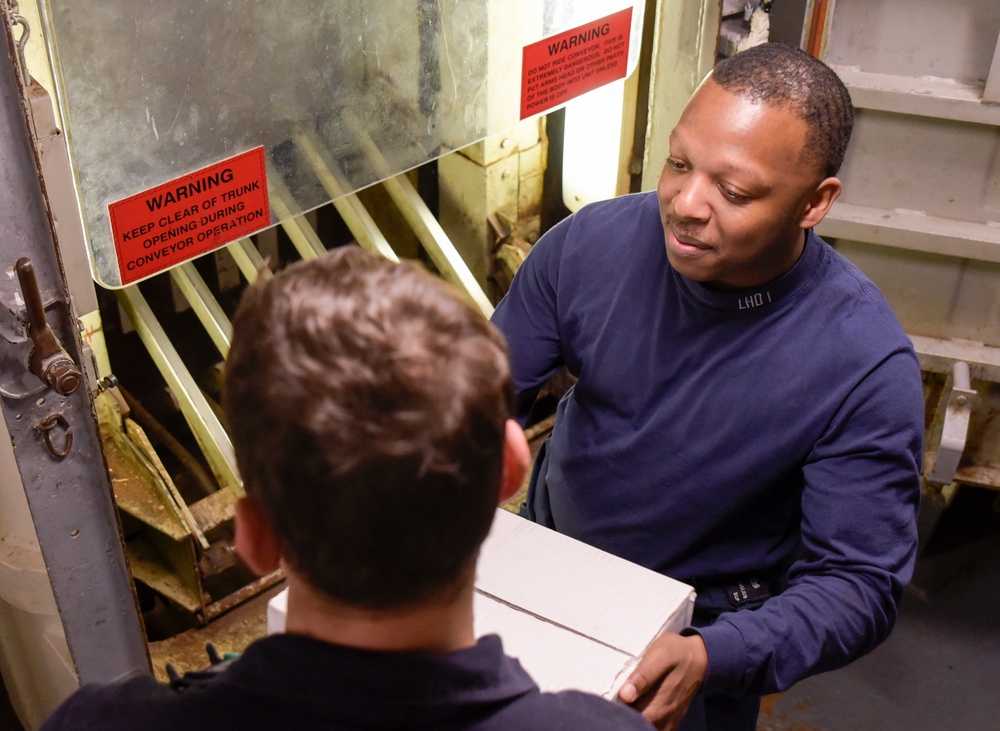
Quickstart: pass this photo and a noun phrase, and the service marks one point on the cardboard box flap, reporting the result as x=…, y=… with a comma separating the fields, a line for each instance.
x=579, y=587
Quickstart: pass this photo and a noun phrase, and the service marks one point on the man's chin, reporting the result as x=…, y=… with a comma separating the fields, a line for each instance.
x=687, y=268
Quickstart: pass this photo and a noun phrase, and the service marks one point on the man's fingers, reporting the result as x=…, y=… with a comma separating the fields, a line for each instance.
x=629, y=692
x=666, y=679
x=650, y=670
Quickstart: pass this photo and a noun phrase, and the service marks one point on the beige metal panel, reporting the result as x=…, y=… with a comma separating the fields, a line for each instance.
x=933, y=97
x=991, y=93
x=469, y=193
x=494, y=148
x=58, y=176
x=686, y=38
x=501, y=175
x=913, y=230
x=915, y=38
x=934, y=295
x=938, y=355
x=944, y=168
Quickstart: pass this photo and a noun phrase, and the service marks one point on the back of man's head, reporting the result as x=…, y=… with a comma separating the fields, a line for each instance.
x=367, y=405
x=780, y=75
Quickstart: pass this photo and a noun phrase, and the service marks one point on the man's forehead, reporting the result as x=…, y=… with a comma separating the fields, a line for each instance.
x=679, y=143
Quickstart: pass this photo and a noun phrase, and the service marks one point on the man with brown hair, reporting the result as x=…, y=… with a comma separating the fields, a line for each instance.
x=369, y=408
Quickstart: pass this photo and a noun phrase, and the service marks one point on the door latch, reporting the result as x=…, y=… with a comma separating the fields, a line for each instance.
x=49, y=360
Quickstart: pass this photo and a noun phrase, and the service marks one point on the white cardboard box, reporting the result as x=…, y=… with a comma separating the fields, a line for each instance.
x=576, y=617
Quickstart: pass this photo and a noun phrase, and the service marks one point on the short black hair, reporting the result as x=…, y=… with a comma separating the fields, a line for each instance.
x=367, y=404
x=778, y=75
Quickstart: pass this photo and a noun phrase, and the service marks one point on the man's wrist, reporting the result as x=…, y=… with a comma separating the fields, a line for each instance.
x=725, y=656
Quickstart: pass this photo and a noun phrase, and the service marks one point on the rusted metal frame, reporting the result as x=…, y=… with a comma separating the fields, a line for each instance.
x=206, y=427
x=70, y=497
x=241, y=595
x=356, y=217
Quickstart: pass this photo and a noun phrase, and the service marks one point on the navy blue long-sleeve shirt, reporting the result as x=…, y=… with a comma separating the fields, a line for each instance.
x=715, y=435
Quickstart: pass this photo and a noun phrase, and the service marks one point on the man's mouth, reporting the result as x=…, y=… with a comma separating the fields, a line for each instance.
x=684, y=244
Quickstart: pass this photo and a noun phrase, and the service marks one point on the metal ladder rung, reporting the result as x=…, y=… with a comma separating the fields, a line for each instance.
x=293, y=220
x=429, y=232
x=205, y=306
x=248, y=259
x=360, y=223
x=205, y=425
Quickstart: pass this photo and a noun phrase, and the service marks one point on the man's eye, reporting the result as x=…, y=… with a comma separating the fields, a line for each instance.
x=733, y=196
x=676, y=164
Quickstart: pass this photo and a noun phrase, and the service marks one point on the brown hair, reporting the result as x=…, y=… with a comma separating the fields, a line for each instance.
x=367, y=404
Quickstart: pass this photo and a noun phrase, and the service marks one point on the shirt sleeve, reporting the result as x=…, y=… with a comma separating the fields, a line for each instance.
x=75, y=713
x=528, y=317
x=859, y=537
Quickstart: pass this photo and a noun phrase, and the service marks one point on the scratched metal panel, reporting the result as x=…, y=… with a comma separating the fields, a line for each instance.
x=932, y=294
x=920, y=212
x=944, y=168
x=953, y=40
x=153, y=90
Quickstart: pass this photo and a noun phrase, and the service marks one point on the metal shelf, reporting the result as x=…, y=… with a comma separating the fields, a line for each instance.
x=922, y=96
x=913, y=230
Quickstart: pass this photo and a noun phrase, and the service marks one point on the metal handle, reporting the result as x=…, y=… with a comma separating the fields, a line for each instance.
x=49, y=361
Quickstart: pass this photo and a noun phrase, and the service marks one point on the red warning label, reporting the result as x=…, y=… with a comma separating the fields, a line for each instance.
x=567, y=65
x=188, y=216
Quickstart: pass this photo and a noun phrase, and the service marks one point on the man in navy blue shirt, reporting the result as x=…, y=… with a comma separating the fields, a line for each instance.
x=369, y=410
x=748, y=413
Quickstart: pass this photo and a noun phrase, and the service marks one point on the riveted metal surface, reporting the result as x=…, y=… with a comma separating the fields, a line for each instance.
x=70, y=498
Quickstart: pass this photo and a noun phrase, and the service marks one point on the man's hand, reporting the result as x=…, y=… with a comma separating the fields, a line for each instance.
x=666, y=679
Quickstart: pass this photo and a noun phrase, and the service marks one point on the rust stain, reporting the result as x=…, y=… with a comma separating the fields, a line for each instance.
x=767, y=704
x=231, y=632
x=772, y=718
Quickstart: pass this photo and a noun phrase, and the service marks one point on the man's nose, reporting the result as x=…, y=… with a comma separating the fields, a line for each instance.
x=691, y=201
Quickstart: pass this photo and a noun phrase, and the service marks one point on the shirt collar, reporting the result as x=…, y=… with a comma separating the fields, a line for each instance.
x=380, y=689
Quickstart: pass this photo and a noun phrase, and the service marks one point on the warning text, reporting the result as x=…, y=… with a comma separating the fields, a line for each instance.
x=563, y=67
x=189, y=216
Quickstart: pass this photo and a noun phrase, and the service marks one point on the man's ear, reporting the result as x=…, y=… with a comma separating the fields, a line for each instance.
x=516, y=460
x=819, y=202
x=255, y=542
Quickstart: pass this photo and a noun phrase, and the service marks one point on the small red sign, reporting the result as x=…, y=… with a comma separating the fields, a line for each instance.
x=563, y=67
x=189, y=216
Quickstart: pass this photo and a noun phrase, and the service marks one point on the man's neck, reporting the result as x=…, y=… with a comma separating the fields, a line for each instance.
x=443, y=626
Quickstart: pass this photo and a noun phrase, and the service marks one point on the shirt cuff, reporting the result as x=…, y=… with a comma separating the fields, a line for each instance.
x=726, y=657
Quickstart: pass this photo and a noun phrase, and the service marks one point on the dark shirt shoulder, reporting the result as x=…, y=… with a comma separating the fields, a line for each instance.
x=575, y=711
